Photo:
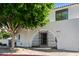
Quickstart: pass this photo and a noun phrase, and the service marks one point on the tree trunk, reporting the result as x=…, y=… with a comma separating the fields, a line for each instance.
x=13, y=42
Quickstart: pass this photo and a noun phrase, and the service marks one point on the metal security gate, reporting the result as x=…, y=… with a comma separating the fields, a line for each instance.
x=43, y=36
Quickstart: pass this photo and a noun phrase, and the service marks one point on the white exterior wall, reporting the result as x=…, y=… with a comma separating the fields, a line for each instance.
x=68, y=35
x=31, y=37
x=25, y=37
x=73, y=12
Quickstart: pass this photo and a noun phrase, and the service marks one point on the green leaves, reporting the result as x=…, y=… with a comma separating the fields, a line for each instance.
x=4, y=34
x=24, y=15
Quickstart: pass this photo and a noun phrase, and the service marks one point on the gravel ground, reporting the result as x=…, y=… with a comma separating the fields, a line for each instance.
x=39, y=51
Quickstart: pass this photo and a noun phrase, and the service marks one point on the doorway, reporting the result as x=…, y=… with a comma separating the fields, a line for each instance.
x=43, y=38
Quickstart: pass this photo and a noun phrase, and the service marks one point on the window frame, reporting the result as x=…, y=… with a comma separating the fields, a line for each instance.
x=61, y=12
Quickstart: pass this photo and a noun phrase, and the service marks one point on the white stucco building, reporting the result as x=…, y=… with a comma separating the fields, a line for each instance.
x=62, y=32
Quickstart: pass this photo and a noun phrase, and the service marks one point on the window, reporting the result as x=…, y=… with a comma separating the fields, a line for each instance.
x=61, y=14
x=19, y=37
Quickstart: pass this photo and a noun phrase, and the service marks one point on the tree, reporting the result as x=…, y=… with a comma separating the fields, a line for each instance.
x=15, y=17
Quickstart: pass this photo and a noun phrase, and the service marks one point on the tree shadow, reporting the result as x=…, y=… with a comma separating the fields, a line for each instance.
x=53, y=50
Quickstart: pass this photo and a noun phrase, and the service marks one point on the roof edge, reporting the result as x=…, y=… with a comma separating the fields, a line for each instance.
x=66, y=5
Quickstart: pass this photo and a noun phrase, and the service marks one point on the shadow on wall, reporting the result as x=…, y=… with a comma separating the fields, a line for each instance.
x=56, y=44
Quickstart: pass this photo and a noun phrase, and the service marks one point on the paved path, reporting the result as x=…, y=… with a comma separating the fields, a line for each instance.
x=38, y=51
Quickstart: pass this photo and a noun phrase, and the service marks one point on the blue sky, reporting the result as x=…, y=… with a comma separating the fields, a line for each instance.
x=61, y=4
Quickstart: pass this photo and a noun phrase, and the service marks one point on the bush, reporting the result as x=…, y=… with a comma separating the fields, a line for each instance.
x=4, y=35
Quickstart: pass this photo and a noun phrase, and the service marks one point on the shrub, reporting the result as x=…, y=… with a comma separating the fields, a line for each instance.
x=6, y=35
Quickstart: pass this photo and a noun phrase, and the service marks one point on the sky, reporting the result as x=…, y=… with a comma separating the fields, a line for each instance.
x=61, y=4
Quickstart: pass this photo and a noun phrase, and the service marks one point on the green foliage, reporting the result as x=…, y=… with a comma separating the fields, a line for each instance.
x=29, y=15
x=4, y=35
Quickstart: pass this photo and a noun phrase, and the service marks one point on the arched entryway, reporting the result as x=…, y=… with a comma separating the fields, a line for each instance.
x=44, y=39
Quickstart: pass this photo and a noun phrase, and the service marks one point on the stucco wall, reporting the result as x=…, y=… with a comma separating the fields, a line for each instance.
x=73, y=12
x=30, y=38
x=66, y=31
x=25, y=39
